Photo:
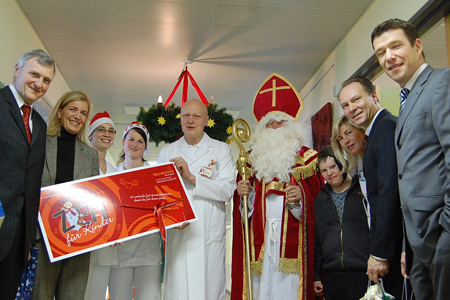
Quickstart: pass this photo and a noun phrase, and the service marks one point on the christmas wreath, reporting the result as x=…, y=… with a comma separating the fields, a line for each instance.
x=164, y=123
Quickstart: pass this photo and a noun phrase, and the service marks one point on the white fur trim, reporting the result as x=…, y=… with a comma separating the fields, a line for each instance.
x=99, y=122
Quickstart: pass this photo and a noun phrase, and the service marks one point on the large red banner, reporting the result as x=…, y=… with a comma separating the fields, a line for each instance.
x=84, y=215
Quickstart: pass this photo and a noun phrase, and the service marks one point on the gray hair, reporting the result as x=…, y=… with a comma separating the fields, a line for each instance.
x=42, y=58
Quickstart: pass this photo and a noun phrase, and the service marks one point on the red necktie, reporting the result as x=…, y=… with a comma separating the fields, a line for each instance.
x=26, y=109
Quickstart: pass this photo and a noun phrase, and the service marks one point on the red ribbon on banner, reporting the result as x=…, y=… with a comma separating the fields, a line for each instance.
x=159, y=217
x=185, y=75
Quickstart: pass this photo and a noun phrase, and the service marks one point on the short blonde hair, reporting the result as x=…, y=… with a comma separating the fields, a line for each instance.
x=341, y=154
x=54, y=123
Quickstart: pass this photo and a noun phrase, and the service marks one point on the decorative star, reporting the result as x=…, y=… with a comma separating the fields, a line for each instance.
x=229, y=140
x=178, y=116
x=161, y=121
x=229, y=130
x=211, y=123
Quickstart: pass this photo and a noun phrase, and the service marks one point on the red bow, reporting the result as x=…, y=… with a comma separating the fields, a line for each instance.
x=184, y=77
x=159, y=217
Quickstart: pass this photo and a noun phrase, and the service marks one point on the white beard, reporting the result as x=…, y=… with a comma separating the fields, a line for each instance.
x=274, y=151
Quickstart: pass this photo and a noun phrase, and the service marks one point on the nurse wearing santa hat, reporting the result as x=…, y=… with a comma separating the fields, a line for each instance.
x=101, y=134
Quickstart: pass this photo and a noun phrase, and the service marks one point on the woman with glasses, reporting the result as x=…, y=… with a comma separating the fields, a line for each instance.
x=101, y=133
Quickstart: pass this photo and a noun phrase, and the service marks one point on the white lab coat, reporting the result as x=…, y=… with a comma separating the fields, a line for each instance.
x=195, y=256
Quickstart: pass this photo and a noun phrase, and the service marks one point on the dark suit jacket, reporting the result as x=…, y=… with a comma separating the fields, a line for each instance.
x=20, y=172
x=423, y=152
x=380, y=170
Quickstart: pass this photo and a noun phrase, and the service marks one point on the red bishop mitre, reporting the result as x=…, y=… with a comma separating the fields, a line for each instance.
x=277, y=94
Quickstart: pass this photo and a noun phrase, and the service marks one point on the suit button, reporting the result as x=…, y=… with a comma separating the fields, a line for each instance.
x=400, y=176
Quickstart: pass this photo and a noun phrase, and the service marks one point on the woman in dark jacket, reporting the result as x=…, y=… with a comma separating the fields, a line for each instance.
x=342, y=233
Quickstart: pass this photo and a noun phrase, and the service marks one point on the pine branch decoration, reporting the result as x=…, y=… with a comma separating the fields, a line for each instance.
x=171, y=131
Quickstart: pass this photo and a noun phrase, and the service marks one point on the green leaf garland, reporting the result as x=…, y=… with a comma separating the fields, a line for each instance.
x=171, y=131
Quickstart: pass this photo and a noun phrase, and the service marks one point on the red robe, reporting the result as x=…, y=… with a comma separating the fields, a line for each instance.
x=297, y=239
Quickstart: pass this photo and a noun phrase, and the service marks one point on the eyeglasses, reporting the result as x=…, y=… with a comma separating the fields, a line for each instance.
x=103, y=130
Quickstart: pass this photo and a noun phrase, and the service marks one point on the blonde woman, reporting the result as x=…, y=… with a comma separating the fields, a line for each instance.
x=68, y=157
x=347, y=142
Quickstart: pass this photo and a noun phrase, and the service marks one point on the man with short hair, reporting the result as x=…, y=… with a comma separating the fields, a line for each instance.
x=195, y=256
x=422, y=142
x=360, y=104
x=22, y=145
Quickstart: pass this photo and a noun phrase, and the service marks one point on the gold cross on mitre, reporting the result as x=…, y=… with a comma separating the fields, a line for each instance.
x=274, y=89
x=284, y=98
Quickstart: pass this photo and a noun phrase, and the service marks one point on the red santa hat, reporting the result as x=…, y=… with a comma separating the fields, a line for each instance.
x=137, y=125
x=99, y=119
x=276, y=94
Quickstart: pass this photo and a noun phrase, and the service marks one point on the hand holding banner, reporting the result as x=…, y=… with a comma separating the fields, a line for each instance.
x=80, y=216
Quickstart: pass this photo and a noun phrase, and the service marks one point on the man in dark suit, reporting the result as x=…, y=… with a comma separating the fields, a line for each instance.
x=23, y=153
x=360, y=104
x=422, y=141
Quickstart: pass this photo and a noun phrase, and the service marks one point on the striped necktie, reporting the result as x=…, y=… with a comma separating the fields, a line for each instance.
x=26, y=109
x=403, y=95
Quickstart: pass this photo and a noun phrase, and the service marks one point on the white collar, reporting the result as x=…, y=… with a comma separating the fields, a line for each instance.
x=413, y=79
x=19, y=99
x=369, y=128
x=199, y=144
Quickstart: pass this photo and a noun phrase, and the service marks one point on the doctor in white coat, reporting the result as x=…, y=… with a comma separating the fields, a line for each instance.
x=195, y=257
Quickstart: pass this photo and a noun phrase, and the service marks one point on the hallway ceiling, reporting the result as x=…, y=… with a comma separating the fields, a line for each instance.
x=127, y=53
